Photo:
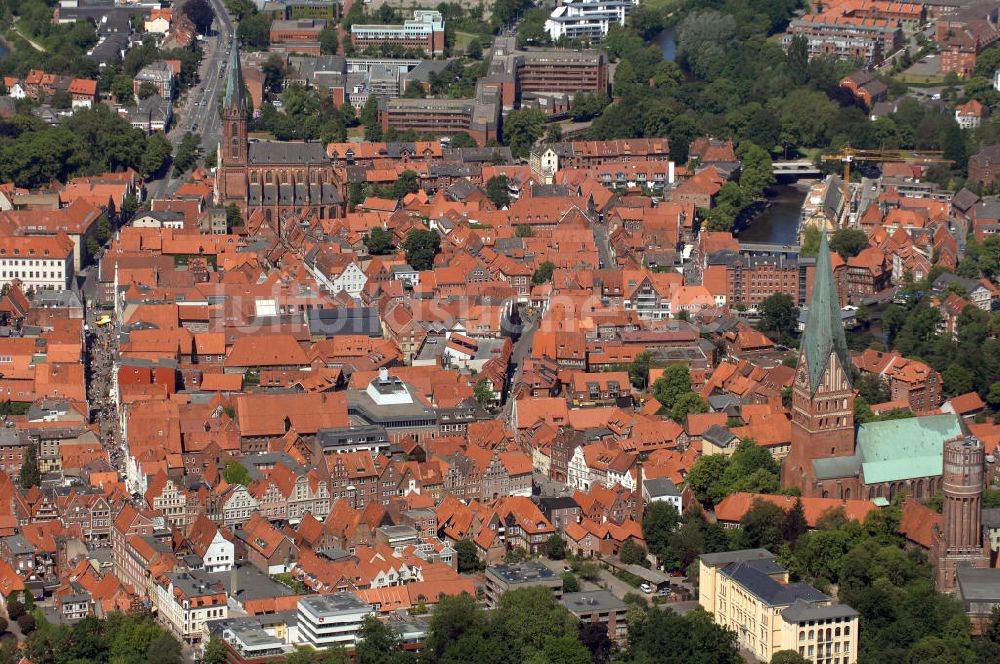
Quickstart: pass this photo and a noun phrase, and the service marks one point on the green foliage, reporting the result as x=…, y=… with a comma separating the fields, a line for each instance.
x=848, y=242
x=468, y=560
x=810, y=241
x=586, y=106
x=570, y=583
x=555, y=547
x=379, y=644
x=631, y=553
x=483, y=393
x=234, y=218
x=407, y=183
x=657, y=635
x=236, y=473
x=215, y=651
x=750, y=468
x=119, y=638
x=254, y=32
x=156, y=155
x=779, y=317
x=543, y=274
x=638, y=369
x=379, y=241
x=30, y=473
x=201, y=14
x=307, y=114
x=498, y=193
x=421, y=246
x=675, y=381
x=89, y=142
x=522, y=127
x=329, y=42
x=187, y=154
x=761, y=526
x=788, y=656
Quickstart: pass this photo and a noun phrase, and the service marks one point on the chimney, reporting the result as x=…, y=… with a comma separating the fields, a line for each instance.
x=383, y=375
x=639, y=500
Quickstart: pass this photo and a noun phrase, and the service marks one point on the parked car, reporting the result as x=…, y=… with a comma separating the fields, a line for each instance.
x=646, y=588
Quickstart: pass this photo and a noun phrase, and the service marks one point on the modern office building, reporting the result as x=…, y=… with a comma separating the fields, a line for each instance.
x=425, y=31
x=588, y=20
x=502, y=578
x=328, y=620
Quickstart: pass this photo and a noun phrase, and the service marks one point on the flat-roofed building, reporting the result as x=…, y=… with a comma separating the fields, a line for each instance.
x=599, y=606
x=331, y=620
x=503, y=578
x=425, y=31
x=479, y=117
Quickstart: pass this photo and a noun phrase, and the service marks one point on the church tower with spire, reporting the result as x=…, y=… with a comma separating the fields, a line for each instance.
x=231, y=175
x=822, y=394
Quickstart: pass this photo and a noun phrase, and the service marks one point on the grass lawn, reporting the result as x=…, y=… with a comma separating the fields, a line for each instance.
x=462, y=40
x=355, y=132
x=661, y=5
x=261, y=135
x=920, y=79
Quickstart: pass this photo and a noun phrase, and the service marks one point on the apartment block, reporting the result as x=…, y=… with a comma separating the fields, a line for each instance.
x=425, y=31
x=479, y=117
x=847, y=37
x=749, y=280
x=300, y=35
x=750, y=593
x=331, y=620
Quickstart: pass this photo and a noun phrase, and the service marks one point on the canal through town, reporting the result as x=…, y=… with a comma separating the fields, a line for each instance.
x=779, y=222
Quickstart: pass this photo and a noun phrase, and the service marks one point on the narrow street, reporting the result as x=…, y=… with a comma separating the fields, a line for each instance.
x=521, y=350
x=102, y=349
x=603, y=245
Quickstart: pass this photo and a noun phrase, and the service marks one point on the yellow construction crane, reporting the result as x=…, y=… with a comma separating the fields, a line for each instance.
x=848, y=155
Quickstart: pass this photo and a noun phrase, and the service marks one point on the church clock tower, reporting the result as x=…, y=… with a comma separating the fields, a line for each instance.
x=231, y=176
x=822, y=394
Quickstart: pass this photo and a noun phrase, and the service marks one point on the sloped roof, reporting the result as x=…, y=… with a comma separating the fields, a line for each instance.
x=824, y=333
x=905, y=449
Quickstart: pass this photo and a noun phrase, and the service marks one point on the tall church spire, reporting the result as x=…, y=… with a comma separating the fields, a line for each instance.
x=824, y=333
x=234, y=83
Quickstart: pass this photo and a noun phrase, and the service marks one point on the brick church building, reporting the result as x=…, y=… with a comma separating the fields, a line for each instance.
x=279, y=178
x=829, y=456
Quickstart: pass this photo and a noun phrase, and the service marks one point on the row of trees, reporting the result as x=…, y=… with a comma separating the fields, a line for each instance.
x=90, y=142
x=126, y=639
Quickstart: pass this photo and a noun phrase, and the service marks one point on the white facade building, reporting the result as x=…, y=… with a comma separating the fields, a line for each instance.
x=587, y=19
x=39, y=261
x=329, y=620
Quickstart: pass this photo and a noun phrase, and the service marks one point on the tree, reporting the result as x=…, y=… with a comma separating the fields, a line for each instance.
x=456, y=618
x=379, y=241
x=421, y=246
x=595, y=637
x=369, y=112
x=665, y=636
x=498, y=192
x=956, y=379
x=483, y=393
x=156, y=155
x=761, y=526
x=274, y=72
x=631, y=553
x=543, y=274
x=462, y=139
x=638, y=369
x=689, y=403
x=407, y=183
x=201, y=14
x=528, y=617
x=797, y=58
x=123, y=90
x=379, y=644
x=254, y=32
x=848, y=242
x=555, y=548
x=15, y=609
x=779, y=316
x=522, y=127
x=562, y=650
x=30, y=474
x=788, y=656
x=675, y=381
x=468, y=559
x=147, y=89
x=234, y=218
x=26, y=623
x=329, y=42
x=474, y=50
x=570, y=583
x=164, y=649
x=415, y=90
x=523, y=230
x=659, y=522
x=215, y=651
x=236, y=473
x=810, y=241
x=553, y=133
x=187, y=153
x=794, y=524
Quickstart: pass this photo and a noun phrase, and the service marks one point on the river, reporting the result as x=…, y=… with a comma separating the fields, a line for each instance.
x=3, y=50
x=668, y=45
x=779, y=223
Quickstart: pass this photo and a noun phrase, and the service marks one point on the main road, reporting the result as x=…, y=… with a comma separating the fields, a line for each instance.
x=199, y=112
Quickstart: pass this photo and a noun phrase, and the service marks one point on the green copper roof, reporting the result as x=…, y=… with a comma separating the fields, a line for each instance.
x=824, y=333
x=234, y=82
x=905, y=449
